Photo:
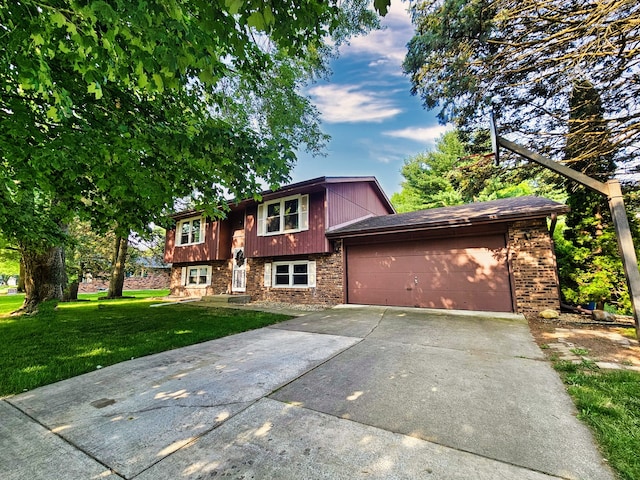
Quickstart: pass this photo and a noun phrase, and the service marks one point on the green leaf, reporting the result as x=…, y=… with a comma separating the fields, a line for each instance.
x=37, y=39
x=157, y=79
x=59, y=19
x=269, y=19
x=52, y=113
x=382, y=6
x=233, y=5
x=63, y=47
x=256, y=20
x=207, y=77
x=96, y=89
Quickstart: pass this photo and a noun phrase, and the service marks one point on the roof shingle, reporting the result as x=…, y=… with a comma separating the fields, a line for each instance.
x=494, y=211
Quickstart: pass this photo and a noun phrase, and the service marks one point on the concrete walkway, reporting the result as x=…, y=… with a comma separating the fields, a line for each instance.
x=351, y=392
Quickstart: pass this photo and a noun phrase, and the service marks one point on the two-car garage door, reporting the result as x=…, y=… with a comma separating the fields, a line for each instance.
x=463, y=273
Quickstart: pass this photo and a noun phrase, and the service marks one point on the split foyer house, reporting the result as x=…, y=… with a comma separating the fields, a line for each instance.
x=335, y=240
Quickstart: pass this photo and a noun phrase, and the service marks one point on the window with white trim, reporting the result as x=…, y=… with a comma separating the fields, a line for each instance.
x=298, y=274
x=190, y=231
x=196, y=276
x=286, y=215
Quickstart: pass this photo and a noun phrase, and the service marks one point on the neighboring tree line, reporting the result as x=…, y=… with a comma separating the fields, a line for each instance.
x=563, y=79
x=107, y=115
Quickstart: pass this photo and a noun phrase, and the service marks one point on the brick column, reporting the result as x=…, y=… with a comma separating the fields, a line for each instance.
x=533, y=264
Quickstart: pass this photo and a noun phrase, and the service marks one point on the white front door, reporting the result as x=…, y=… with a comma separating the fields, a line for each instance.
x=239, y=271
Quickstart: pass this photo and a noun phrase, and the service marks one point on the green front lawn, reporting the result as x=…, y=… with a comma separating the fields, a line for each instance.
x=609, y=402
x=74, y=338
x=9, y=303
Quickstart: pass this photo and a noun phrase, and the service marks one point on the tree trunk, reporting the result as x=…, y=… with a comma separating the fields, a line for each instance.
x=21, y=277
x=44, y=276
x=116, y=283
x=71, y=292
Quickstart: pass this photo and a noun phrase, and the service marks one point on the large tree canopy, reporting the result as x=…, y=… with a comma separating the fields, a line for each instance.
x=111, y=110
x=522, y=58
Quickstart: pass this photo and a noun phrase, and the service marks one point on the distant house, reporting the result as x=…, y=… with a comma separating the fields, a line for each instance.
x=335, y=240
x=149, y=273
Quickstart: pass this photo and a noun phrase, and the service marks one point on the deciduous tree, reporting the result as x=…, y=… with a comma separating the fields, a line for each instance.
x=110, y=110
x=522, y=58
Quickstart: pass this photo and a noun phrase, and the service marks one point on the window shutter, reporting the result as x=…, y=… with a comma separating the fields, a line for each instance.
x=311, y=274
x=183, y=277
x=179, y=234
x=208, y=275
x=304, y=212
x=267, y=274
x=262, y=220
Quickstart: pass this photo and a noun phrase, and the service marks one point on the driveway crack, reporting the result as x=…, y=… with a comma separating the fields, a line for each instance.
x=176, y=405
x=377, y=323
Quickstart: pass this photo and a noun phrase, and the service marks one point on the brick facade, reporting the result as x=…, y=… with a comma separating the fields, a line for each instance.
x=220, y=280
x=328, y=290
x=533, y=266
x=329, y=281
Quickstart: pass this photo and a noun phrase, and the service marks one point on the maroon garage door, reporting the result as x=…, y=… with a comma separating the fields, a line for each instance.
x=465, y=273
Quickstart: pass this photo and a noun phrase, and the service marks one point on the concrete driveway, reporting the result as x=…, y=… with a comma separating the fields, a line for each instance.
x=351, y=392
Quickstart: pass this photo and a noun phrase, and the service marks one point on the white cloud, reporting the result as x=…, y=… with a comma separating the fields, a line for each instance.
x=387, y=153
x=388, y=46
x=352, y=104
x=419, y=134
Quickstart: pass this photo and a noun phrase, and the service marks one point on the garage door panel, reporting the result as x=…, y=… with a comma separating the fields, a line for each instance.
x=452, y=274
x=444, y=299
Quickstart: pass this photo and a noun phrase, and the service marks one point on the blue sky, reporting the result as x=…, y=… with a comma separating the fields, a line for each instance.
x=367, y=108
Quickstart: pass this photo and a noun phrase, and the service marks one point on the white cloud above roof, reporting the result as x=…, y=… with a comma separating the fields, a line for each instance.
x=419, y=134
x=387, y=46
x=352, y=104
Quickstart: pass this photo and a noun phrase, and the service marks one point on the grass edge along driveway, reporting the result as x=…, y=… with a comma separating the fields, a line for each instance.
x=608, y=401
x=68, y=339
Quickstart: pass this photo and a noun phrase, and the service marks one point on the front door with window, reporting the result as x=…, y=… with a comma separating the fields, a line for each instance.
x=239, y=271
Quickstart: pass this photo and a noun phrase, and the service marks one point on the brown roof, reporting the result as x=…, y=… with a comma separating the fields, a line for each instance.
x=494, y=211
x=307, y=186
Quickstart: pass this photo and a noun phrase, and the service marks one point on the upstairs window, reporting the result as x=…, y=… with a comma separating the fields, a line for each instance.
x=286, y=215
x=190, y=231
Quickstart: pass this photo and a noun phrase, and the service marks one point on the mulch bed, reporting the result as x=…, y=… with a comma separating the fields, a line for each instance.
x=613, y=342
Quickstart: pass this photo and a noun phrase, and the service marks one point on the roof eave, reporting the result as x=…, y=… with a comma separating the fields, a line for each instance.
x=446, y=224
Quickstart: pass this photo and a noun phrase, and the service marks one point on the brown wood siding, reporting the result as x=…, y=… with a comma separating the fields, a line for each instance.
x=169, y=245
x=208, y=250
x=224, y=240
x=301, y=243
x=350, y=201
x=464, y=273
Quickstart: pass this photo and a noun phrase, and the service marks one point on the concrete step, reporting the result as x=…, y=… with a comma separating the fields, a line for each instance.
x=227, y=298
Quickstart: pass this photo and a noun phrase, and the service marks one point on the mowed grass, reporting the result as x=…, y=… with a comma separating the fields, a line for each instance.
x=73, y=338
x=609, y=402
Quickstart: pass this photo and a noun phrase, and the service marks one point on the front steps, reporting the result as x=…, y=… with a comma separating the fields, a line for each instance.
x=226, y=299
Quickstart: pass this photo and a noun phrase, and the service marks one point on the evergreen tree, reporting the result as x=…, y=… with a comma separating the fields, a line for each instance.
x=457, y=171
x=590, y=266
